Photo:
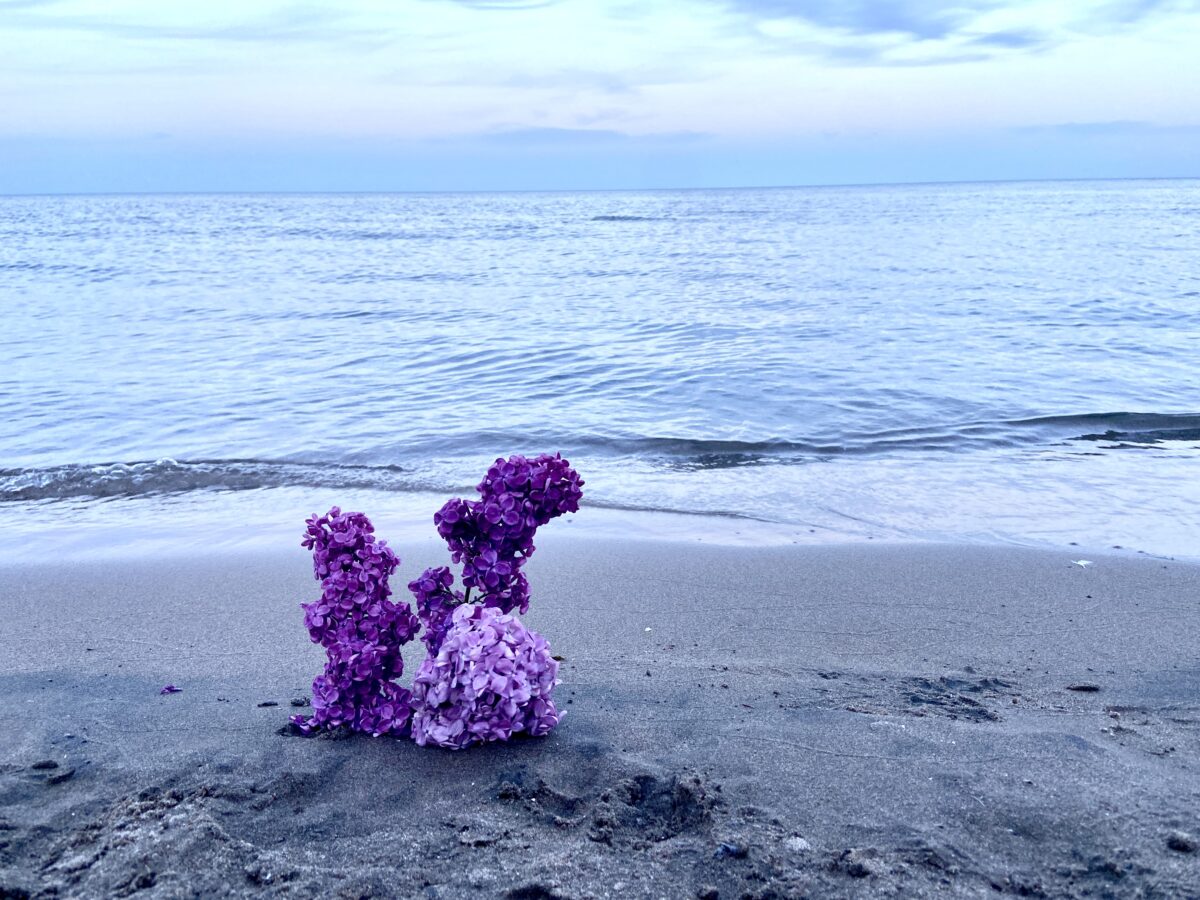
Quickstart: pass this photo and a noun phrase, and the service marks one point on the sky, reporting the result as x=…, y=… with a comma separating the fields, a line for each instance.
x=360, y=95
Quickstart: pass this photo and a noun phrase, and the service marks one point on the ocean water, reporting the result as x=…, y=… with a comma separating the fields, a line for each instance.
x=969, y=362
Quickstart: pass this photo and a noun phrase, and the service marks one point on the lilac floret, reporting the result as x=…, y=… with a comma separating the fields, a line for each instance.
x=491, y=678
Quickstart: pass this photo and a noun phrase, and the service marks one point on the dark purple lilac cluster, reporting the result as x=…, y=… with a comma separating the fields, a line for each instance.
x=485, y=676
x=359, y=627
x=493, y=536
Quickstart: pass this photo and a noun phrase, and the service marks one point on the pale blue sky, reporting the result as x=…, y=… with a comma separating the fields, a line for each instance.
x=132, y=95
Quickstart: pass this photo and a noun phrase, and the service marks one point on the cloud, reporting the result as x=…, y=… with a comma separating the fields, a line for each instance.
x=556, y=138
x=879, y=57
x=919, y=19
x=1119, y=128
x=1016, y=39
x=293, y=24
x=573, y=79
x=938, y=19
x=1133, y=10
x=26, y=4
x=505, y=4
x=627, y=81
x=593, y=80
x=934, y=32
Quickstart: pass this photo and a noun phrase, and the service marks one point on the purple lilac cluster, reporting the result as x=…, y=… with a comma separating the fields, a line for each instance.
x=359, y=627
x=493, y=536
x=491, y=678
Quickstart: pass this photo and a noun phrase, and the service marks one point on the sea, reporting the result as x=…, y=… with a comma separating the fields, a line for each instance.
x=1004, y=363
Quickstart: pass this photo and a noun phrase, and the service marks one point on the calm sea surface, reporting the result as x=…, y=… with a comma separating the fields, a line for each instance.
x=982, y=362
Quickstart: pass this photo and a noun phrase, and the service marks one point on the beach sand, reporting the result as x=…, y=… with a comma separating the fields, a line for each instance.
x=917, y=720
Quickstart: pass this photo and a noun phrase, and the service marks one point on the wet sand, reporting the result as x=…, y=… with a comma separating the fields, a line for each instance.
x=838, y=721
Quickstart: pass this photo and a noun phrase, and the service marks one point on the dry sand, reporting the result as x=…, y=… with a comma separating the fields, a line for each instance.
x=843, y=721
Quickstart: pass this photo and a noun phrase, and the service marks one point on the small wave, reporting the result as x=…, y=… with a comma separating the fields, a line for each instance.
x=625, y=218
x=24, y=266
x=1128, y=438
x=688, y=453
x=92, y=272
x=1128, y=427
x=342, y=234
x=168, y=476
x=164, y=477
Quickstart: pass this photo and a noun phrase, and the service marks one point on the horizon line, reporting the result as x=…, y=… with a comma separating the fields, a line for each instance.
x=625, y=190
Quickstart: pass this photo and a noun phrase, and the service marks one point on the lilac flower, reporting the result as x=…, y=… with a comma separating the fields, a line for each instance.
x=361, y=630
x=493, y=536
x=491, y=678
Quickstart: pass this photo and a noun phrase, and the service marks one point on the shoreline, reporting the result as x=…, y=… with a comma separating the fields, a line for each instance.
x=247, y=526
x=839, y=720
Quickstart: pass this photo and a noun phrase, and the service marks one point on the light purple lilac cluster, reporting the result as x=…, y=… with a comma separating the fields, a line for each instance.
x=491, y=678
x=361, y=630
x=485, y=676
